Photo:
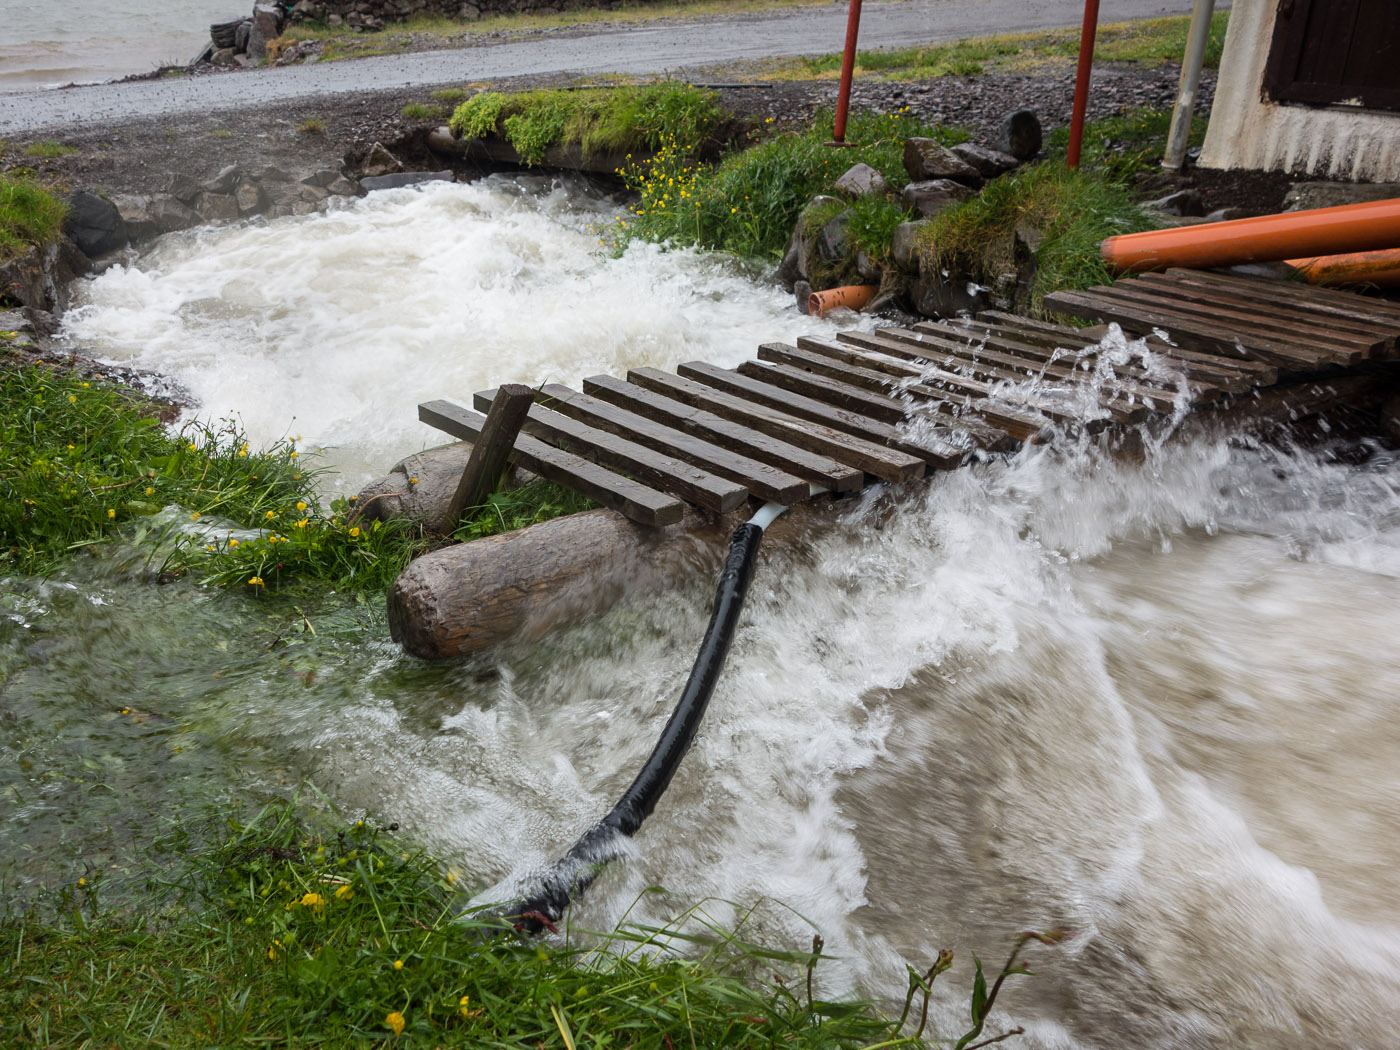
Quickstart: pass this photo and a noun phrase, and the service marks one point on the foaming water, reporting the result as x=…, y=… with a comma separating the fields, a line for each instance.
x=336, y=326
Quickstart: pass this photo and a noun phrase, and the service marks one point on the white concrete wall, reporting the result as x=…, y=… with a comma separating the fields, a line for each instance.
x=1244, y=132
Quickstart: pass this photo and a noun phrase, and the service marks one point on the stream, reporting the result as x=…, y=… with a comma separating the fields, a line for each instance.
x=1145, y=700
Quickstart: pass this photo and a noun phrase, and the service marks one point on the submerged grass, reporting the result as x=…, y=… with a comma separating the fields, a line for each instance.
x=29, y=215
x=290, y=935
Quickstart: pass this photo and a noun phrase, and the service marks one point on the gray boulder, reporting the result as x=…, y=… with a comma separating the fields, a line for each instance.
x=182, y=188
x=1020, y=134
x=926, y=160
x=404, y=178
x=862, y=180
x=225, y=181
x=267, y=26
x=216, y=207
x=169, y=213
x=937, y=296
x=831, y=243
x=1182, y=202
x=135, y=211
x=94, y=224
x=904, y=245
x=249, y=197
x=989, y=162
x=379, y=161
x=931, y=197
x=1305, y=195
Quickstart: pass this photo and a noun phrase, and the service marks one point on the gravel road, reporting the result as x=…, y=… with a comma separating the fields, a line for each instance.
x=651, y=48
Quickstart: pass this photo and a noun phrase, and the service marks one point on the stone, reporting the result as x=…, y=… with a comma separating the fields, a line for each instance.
x=1228, y=214
x=267, y=27
x=989, y=162
x=404, y=178
x=1028, y=240
x=224, y=56
x=935, y=295
x=379, y=161
x=868, y=270
x=249, y=197
x=904, y=245
x=169, y=213
x=271, y=173
x=441, y=140
x=182, y=187
x=931, y=197
x=789, y=271
x=241, y=35
x=136, y=216
x=927, y=159
x=469, y=12
x=216, y=207
x=343, y=187
x=1182, y=202
x=94, y=224
x=1020, y=134
x=802, y=292
x=861, y=180
x=225, y=181
x=321, y=177
x=831, y=242
x=1305, y=195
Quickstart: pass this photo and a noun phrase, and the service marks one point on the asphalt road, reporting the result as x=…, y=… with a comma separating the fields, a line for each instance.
x=657, y=48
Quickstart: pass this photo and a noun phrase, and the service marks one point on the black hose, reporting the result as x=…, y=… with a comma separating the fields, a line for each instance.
x=573, y=873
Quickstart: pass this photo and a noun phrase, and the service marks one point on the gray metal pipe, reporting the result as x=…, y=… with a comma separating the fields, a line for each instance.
x=1196, y=42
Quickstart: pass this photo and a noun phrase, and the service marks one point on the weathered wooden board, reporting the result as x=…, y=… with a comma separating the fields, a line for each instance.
x=641, y=504
x=1383, y=311
x=1242, y=374
x=764, y=481
x=679, y=478
x=824, y=471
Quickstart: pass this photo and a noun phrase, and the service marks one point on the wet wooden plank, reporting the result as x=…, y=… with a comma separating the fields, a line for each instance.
x=641, y=504
x=744, y=401
x=675, y=476
x=1236, y=369
x=821, y=470
x=1270, y=325
x=1193, y=333
x=1333, y=318
x=1382, y=311
x=766, y=482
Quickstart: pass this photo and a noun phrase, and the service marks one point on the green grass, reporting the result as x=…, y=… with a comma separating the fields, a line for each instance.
x=284, y=934
x=49, y=149
x=598, y=120
x=451, y=96
x=1123, y=146
x=1072, y=210
x=1152, y=41
x=29, y=216
x=748, y=203
x=424, y=111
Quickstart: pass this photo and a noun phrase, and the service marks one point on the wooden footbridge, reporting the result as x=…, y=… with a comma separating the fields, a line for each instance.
x=892, y=404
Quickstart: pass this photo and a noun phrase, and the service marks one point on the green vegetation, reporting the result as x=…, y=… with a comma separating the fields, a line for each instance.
x=29, y=216
x=424, y=111
x=49, y=149
x=1121, y=147
x=451, y=96
x=748, y=203
x=285, y=935
x=312, y=126
x=517, y=508
x=597, y=120
x=1073, y=211
x=1152, y=41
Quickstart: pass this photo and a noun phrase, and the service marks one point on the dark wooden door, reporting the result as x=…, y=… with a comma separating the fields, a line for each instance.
x=1336, y=52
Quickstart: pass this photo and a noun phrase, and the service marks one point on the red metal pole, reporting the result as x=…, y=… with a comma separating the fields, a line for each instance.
x=1081, y=81
x=848, y=65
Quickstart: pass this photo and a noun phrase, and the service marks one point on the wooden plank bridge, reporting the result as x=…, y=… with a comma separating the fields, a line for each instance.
x=892, y=404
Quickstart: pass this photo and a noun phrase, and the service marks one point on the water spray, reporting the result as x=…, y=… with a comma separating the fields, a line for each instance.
x=571, y=875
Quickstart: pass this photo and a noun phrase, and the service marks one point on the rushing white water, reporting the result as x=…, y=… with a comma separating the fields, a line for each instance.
x=336, y=326
x=46, y=44
x=1147, y=700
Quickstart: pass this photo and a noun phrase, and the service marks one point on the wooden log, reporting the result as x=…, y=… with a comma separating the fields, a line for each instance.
x=489, y=453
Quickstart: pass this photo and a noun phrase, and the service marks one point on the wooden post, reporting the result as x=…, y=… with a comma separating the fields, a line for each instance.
x=488, y=459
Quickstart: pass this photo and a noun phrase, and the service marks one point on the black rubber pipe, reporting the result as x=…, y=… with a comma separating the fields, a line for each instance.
x=573, y=873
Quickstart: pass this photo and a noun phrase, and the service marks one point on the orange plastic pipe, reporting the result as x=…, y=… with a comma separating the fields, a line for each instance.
x=1380, y=268
x=851, y=296
x=1295, y=234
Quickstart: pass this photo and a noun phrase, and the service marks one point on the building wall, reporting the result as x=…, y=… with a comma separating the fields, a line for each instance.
x=1245, y=132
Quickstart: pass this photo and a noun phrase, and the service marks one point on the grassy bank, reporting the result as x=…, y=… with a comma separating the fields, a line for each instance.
x=289, y=935
x=83, y=461
x=29, y=216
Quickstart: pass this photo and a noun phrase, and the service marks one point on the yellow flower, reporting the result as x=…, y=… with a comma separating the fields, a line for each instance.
x=314, y=901
x=242, y=451
x=270, y=515
x=111, y=513
x=150, y=491
x=301, y=505
x=294, y=455
x=256, y=581
x=394, y=1021
x=413, y=481
x=355, y=532
x=344, y=893
x=274, y=949
x=82, y=882
x=302, y=524
x=233, y=543
x=73, y=399
x=194, y=516
x=87, y=384
x=398, y=964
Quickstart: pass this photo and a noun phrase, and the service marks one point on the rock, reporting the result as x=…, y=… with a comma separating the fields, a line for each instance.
x=868, y=270
x=224, y=56
x=434, y=473
x=862, y=180
x=404, y=178
x=379, y=161
x=1028, y=240
x=1182, y=202
x=989, y=162
x=249, y=197
x=216, y=207
x=240, y=37
x=343, y=187
x=182, y=188
x=931, y=197
x=1304, y=195
x=469, y=12
x=789, y=271
x=831, y=243
x=937, y=296
x=888, y=300
x=1390, y=417
x=267, y=27
x=802, y=292
x=94, y=224
x=169, y=213
x=1020, y=134
x=1228, y=214
x=271, y=173
x=321, y=177
x=225, y=181
x=136, y=216
x=904, y=245
x=41, y=278
x=926, y=160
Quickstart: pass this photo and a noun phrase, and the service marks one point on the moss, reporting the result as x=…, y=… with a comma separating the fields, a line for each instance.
x=29, y=216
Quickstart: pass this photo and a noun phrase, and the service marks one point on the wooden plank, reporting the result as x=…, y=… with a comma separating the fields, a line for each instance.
x=489, y=454
x=1382, y=311
x=824, y=471
x=1332, y=318
x=707, y=387
x=1189, y=332
x=666, y=473
x=1045, y=329
x=764, y=481
x=1252, y=373
x=799, y=369
x=637, y=502
x=1125, y=399
x=1271, y=326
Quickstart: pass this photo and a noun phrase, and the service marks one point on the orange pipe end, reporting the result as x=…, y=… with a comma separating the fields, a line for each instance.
x=1381, y=268
x=851, y=296
x=1296, y=234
